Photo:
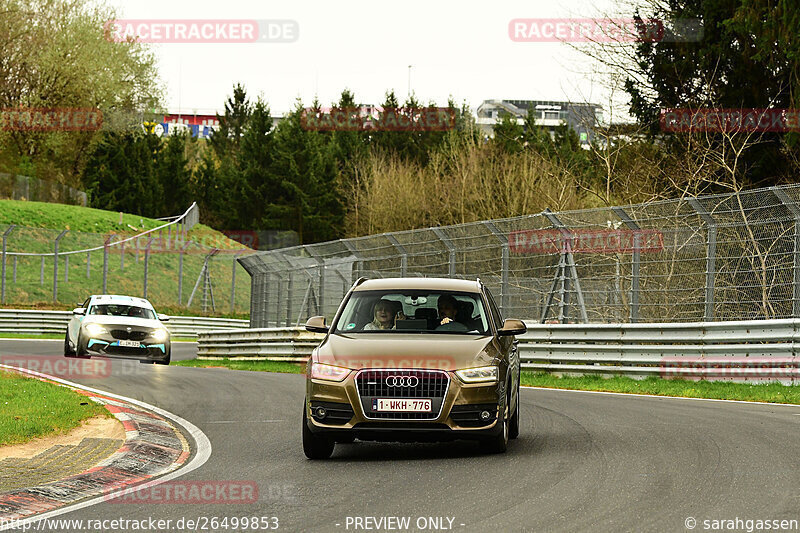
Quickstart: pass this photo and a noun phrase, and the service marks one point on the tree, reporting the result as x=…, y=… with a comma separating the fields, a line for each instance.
x=173, y=173
x=57, y=54
x=121, y=174
x=256, y=160
x=225, y=140
x=747, y=58
x=306, y=198
x=509, y=135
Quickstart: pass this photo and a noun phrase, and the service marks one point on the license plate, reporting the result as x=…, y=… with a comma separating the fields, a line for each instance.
x=401, y=405
x=130, y=344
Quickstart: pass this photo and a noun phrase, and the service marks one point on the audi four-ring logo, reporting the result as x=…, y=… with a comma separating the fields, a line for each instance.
x=402, y=381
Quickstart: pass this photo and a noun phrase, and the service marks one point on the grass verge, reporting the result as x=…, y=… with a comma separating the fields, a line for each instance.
x=31, y=336
x=718, y=390
x=261, y=366
x=33, y=408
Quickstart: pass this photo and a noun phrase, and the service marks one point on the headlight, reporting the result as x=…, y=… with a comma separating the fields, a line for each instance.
x=328, y=372
x=160, y=334
x=476, y=375
x=95, y=329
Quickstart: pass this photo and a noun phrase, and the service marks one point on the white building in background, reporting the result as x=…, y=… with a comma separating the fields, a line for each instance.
x=582, y=118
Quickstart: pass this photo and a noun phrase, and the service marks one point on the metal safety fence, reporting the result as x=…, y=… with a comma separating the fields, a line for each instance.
x=175, y=265
x=751, y=351
x=37, y=322
x=708, y=258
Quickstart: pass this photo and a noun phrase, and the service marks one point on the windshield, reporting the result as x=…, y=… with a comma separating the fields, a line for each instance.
x=444, y=312
x=133, y=311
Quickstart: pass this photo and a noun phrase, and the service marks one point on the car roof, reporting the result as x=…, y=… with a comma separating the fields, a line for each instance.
x=120, y=299
x=431, y=284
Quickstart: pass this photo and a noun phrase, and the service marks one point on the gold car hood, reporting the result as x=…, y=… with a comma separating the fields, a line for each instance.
x=398, y=350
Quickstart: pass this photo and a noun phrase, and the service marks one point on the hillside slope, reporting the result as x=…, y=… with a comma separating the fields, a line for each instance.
x=29, y=281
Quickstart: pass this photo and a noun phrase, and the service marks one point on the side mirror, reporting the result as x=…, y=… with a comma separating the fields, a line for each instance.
x=316, y=324
x=79, y=311
x=163, y=318
x=512, y=326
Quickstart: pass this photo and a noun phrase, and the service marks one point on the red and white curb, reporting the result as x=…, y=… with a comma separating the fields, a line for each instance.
x=154, y=452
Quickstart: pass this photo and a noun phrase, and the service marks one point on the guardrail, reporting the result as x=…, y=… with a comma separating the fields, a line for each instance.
x=270, y=344
x=741, y=350
x=38, y=322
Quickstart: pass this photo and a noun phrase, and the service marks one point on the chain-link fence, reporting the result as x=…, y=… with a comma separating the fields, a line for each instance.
x=16, y=187
x=173, y=266
x=721, y=257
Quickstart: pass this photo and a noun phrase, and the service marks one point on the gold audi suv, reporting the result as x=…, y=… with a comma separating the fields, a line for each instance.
x=413, y=359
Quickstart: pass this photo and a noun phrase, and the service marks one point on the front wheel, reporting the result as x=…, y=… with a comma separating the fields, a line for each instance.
x=68, y=351
x=499, y=443
x=315, y=446
x=513, y=429
x=80, y=350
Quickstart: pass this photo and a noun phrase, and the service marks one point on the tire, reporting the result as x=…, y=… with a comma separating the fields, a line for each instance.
x=513, y=424
x=499, y=443
x=315, y=446
x=68, y=352
x=80, y=351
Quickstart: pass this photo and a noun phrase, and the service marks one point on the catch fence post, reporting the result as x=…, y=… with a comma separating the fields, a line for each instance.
x=711, y=256
x=233, y=281
x=6, y=233
x=451, y=249
x=146, y=264
x=504, y=266
x=105, y=262
x=635, y=261
x=792, y=206
x=55, y=265
x=403, y=253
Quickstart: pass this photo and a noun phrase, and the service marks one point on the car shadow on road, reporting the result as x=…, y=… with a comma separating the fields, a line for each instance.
x=363, y=451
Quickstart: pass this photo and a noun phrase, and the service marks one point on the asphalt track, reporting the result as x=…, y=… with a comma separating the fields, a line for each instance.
x=583, y=462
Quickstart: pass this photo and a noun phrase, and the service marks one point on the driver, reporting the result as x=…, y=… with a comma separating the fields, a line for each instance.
x=448, y=307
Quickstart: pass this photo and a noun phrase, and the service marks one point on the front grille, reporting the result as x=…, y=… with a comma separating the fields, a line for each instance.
x=125, y=350
x=410, y=384
x=121, y=334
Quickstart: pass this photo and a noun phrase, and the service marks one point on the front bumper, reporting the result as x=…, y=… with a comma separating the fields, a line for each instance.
x=459, y=417
x=148, y=351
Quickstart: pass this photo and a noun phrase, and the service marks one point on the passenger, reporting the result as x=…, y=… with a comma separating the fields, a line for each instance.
x=383, y=316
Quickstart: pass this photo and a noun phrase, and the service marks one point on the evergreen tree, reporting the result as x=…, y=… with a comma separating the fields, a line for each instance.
x=173, y=173
x=306, y=198
x=121, y=174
